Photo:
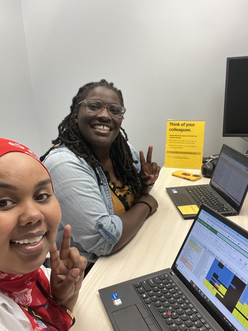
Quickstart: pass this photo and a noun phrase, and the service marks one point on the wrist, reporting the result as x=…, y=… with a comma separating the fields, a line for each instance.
x=147, y=188
x=147, y=204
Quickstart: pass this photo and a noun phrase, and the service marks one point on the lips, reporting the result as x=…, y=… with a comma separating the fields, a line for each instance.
x=30, y=244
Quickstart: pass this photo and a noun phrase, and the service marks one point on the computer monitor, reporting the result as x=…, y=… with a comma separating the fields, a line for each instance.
x=235, y=122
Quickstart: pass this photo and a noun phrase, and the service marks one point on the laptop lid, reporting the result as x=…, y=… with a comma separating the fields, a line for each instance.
x=230, y=177
x=213, y=264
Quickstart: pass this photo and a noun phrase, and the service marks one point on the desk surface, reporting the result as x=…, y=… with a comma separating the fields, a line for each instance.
x=161, y=236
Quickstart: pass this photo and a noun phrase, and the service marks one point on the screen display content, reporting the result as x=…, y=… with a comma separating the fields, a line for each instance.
x=223, y=282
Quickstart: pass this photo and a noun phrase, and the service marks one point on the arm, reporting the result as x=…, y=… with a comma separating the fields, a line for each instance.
x=92, y=218
x=67, y=272
x=134, y=218
x=84, y=203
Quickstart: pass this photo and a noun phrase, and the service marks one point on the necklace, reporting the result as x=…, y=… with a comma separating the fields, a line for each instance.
x=122, y=198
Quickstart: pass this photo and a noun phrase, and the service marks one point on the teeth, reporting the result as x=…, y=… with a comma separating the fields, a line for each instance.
x=102, y=127
x=28, y=241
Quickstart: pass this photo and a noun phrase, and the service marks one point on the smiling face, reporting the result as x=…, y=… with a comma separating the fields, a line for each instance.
x=100, y=130
x=29, y=213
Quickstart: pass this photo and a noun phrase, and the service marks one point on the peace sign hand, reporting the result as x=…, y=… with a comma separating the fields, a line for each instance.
x=149, y=170
x=67, y=271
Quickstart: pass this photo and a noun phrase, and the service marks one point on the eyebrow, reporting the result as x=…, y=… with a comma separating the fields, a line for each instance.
x=12, y=187
x=5, y=185
x=43, y=182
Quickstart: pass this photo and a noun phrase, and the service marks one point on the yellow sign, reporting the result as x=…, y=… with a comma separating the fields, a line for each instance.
x=184, y=144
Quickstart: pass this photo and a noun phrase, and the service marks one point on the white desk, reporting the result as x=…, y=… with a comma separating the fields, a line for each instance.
x=153, y=248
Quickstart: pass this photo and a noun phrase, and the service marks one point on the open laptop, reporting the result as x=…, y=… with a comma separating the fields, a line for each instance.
x=205, y=289
x=228, y=187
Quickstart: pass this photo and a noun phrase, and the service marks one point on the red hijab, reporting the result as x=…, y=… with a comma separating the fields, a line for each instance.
x=8, y=146
x=32, y=291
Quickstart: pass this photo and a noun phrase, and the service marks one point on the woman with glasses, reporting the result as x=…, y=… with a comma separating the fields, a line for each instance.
x=100, y=181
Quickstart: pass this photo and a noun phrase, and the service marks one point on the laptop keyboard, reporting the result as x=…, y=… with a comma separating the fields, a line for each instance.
x=201, y=194
x=170, y=306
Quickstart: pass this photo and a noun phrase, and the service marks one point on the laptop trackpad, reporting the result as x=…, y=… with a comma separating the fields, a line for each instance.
x=182, y=199
x=130, y=318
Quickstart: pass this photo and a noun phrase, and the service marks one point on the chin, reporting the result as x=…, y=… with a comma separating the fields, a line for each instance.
x=31, y=264
x=27, y=269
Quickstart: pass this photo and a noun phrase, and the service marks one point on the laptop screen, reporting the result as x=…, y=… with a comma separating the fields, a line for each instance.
x=214, y=261
x=230, y=177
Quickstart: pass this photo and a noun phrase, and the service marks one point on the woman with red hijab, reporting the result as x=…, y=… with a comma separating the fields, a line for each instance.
x=29, y=219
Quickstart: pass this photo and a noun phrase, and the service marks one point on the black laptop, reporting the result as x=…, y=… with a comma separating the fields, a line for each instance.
x=205, y=289
x=226, y=191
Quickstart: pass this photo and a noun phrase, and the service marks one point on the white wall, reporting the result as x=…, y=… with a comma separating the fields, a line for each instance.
x=18, y=120
x=167, y=56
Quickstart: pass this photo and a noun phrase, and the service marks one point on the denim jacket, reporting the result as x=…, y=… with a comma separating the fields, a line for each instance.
x=85, y=205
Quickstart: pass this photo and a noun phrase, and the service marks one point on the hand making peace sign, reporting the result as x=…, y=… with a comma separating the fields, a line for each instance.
x=149, y=170
x=67, y=271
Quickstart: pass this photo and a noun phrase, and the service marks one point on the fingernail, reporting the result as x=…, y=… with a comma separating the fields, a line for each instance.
x=75, y=272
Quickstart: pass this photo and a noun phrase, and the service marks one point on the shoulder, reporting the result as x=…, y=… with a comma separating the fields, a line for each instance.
x=136, y=157
x=67, y=169
x=134, y=152
x=11, y=316
x=63, y=157
x=62, y=152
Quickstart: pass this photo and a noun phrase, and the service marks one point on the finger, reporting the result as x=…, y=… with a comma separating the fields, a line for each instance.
x=82, y=266
x=158, y=170
x=83, y=263
x=74, y=257
x=78, y=283
x=72, y=277
x=80, y=277
x=54, y=257
x=142, y=159
x=155, y=168
x=66, y=243
x=149, y=154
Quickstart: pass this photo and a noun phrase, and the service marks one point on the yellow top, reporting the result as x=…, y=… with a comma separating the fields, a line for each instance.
x=125, y=193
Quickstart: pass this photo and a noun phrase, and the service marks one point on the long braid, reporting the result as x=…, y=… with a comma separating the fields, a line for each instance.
x=120, y=152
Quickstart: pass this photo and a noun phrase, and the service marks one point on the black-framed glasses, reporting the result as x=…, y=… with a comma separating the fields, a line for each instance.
x=97, y=106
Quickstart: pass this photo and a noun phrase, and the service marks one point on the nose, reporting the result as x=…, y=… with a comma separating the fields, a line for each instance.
x=105, y=112
x=30, y=214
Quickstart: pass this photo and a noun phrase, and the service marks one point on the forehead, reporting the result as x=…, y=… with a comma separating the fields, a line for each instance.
x=17, y=165
x=104, y=94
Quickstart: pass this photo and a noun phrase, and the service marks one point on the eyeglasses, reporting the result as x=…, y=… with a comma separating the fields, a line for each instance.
x=97, y=106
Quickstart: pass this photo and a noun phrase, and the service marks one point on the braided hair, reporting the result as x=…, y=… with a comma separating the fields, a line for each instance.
x=120, y=153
